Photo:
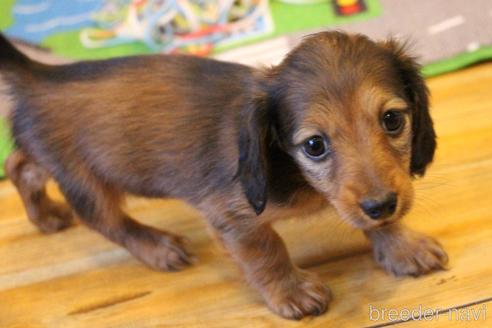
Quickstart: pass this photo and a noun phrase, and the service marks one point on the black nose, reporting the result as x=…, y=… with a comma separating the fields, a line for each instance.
x=380, y=209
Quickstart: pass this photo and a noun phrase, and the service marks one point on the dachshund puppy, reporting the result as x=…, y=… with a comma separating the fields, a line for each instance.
x=342, y=120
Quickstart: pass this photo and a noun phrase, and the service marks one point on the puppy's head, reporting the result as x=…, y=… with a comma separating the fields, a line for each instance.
x=354, y=116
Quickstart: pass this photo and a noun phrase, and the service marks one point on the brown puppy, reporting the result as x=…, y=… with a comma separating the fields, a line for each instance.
x=342, y=120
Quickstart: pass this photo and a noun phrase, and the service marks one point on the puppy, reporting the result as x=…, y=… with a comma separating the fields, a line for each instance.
x=342, y=120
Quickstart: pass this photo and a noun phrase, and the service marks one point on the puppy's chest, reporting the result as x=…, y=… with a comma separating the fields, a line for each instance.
x=301, y=203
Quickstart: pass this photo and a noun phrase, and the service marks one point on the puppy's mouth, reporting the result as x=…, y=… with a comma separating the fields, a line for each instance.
x=358, y=219
x=365, y=223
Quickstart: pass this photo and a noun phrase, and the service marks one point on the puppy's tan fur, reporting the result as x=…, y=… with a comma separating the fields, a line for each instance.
x=227, y=139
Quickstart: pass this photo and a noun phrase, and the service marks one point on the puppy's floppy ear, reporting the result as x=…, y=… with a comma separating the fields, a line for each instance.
x=423, y=134
x=253, y=144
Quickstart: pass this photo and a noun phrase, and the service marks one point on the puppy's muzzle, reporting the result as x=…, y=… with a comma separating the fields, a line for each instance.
x=378, y=209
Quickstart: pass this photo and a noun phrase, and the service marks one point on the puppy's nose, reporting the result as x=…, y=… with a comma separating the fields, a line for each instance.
x=380, y=209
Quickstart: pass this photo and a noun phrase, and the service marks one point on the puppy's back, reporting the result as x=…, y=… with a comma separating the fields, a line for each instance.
x=135, y=122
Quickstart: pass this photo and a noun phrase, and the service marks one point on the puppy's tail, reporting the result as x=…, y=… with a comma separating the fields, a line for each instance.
x=11, y=59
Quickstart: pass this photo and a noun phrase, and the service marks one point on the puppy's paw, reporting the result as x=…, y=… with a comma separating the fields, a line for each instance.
x=301, y=296
x=410, y=253
x=55, y=217
x=169, y=254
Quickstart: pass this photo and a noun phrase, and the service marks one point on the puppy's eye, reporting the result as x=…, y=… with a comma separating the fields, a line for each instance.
x=315, y=147
x=393, y=122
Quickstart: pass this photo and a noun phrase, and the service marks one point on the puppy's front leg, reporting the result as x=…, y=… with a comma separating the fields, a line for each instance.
x=289, y=291
x=402, y=251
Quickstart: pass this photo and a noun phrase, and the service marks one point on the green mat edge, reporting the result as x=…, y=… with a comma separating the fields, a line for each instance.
x=6, y=9
x=457, y=62
x=6, y=144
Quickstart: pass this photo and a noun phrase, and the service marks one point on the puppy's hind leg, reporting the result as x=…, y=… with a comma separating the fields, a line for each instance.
x=30, y=180
x=98, y=206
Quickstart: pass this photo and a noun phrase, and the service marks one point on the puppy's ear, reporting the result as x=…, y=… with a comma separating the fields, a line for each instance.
x=253, y=161
x=423, y=134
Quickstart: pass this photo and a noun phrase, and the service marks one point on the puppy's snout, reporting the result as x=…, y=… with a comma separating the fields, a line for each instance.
x=380, y=209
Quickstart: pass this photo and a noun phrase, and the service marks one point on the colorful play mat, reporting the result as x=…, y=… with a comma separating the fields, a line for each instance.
x=446, y=34
x=92, y=29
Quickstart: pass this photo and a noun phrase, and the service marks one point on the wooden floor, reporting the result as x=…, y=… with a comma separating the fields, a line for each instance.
x=77, y=279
